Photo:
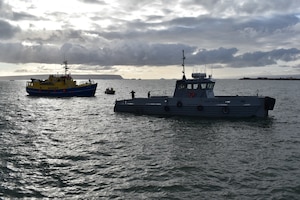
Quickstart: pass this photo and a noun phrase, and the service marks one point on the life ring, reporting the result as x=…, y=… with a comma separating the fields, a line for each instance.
x=200, y=108
x=179, y=104
x=167, y=108
x=192, y=94
x=225, y=110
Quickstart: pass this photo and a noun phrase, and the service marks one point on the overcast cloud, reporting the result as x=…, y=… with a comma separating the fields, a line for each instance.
x=106, y=33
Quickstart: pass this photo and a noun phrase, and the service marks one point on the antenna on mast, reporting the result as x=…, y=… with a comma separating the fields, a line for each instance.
x=66, y=64
x=66, y=67
x=183, y=70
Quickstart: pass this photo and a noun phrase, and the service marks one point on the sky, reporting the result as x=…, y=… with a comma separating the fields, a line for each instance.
x=145, y=39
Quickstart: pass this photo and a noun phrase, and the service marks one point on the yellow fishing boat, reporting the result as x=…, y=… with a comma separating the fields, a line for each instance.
x=60, y=86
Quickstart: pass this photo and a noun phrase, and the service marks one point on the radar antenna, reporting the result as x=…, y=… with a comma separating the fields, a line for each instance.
x=183, y=70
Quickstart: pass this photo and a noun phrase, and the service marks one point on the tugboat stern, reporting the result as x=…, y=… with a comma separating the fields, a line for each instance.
x=269, y=103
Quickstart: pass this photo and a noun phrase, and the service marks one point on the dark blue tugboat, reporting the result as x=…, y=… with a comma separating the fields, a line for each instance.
x=195, y=97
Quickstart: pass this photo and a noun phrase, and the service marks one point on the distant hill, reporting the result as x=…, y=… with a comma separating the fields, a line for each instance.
x=89, y=76
x=282, y=77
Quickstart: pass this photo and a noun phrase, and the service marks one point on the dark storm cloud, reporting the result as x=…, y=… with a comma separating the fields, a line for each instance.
x=140, y=54
x=253, y=59
x=267, y=25
x=266, y=58
x=18, y=53
x=7, y=30
x=220, y=55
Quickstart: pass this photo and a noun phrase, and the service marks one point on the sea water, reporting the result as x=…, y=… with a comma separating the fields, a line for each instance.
x=78, y=148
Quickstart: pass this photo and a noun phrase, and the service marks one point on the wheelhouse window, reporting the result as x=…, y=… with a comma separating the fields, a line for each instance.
x=210, y=85
x=181, y=86
x=203, y=86
x=192, y=86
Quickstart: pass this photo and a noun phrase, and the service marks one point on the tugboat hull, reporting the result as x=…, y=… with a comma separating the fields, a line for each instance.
x=218, y=107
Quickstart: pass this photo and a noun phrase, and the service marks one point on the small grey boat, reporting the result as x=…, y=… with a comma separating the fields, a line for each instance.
x=195, y=97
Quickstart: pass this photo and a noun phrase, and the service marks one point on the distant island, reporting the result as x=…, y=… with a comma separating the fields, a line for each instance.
x=86, y=76
x=268, y=78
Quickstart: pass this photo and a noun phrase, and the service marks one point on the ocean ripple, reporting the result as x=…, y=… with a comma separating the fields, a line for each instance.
x=78, y=148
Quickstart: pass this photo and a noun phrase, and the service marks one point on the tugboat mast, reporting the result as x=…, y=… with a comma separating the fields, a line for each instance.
x=183, y=70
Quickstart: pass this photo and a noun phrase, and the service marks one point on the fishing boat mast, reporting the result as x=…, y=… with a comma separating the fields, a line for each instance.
x=66, y=67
